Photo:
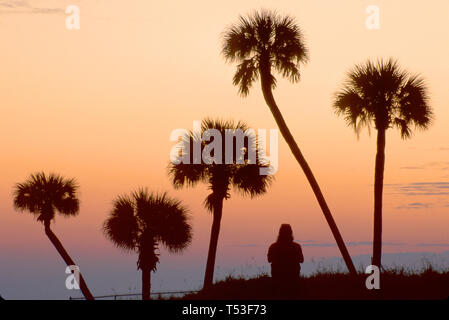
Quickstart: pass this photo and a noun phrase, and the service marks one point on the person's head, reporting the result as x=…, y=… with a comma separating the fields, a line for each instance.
x=285, y=233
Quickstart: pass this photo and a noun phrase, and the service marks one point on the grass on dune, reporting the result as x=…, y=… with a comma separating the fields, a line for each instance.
x=396, y=283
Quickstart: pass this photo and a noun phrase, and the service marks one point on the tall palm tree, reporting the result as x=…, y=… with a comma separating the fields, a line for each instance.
x=383, y=95
x=144, y=220
x=243, y=176
x=44, y=195
x=260, y=43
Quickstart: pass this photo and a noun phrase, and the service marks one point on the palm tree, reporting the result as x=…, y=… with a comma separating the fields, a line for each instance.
x=383, y=95
x=260, y=43
x=221, y=176
x=142, y=221
x=44, y=195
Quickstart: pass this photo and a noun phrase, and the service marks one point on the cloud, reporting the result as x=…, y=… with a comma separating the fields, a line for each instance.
x=47, y=10
x=24, y=7
x=350, y=244
x=415, y=205
x=314, y=243
x=437, y=191
x=14, y=3
x=435, y=165
x=432, y=245
x=246, y=245
x=319, y=244
x=370, y=243
x=360, y=243
x=419, y=188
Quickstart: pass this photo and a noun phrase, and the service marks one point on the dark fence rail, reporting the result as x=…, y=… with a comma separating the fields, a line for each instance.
x=135, y=295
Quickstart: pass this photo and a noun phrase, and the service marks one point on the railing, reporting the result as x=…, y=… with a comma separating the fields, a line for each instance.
x=135, y=295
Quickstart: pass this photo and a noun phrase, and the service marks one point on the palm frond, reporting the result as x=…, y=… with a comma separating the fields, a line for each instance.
x=248, y=180
x=239, y=40
x=413, y=103
x=67, y=203
x=184, y=172
x=213, y=198
x=288, y=49
x=349, y=104
x=175, y=230
x=403, y=126
x=122, y=226
x=246, y=74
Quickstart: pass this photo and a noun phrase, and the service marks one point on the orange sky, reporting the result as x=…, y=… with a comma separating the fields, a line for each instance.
x=99, y=104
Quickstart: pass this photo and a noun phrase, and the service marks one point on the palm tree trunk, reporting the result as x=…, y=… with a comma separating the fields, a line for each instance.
x=67, y=259
x=146, y=283
x=147, y=263
x=269, y=99
x=378, y=190
x=215, y=231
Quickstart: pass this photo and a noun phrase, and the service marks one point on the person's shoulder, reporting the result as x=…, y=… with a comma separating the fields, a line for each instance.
x=273, y=245
x=296, y=245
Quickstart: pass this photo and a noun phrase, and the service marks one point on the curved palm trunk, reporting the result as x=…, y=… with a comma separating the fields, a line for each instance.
x=215, y=231
x=146, y=283
x=269, y=99
x=67, y=259
x=378, y=190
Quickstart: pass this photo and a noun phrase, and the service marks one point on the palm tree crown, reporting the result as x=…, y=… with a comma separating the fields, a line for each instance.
x=42, y=195
x=143, y=220
x=386, y=96
x=264, y=40
x=245, y=177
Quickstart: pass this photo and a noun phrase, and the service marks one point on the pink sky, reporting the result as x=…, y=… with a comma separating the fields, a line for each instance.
x=99, y=103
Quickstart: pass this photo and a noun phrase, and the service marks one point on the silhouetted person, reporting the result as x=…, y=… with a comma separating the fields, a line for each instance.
x=285, y=257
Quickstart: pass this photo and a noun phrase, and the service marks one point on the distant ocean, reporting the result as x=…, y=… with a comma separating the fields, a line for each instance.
x=45, y=279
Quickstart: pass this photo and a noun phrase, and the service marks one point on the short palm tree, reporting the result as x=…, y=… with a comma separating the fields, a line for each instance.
x=383, y=95
x=142, y=221
x=44, y=195
x=261, y=43
x=244, y=177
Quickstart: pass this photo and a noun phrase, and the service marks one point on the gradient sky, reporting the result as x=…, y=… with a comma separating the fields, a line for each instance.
x=99, y=103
